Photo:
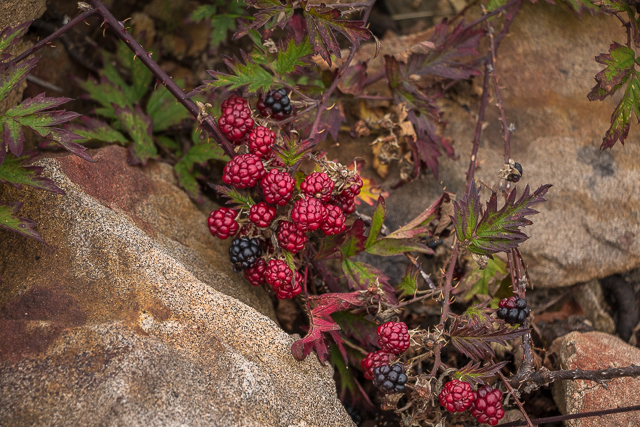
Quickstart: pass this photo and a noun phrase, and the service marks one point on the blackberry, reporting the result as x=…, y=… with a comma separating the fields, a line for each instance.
x=513, y=310
x=456, y=396
x=222, y=222
x=308, y=214
x=243, y=171
x=515, y=177
x=277, y=187
x=276, y=104
x=394, y=337
x=318, y=185
x=335, y=222
x=235, y=119
x=487, y=406
x=373, y=360
x=244, y=253
x=280, y=276
x=290, y=237
x=390, y=379
x=260, y=141
x=261, y=214
x=256, y=274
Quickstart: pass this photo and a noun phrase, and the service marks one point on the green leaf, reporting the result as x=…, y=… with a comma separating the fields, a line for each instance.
x=356, y=326
x=360, y=275
x=475, y=375
x=13, y=137
x=221, y=25
x=467, y=213
x=235, y=198
x=249, y=74
x=293, y=57
x=203, y=12
x=481, y=279
x=34, y=105
x=376, y=223
x=394, y=247
x=184, y=169
x=106, y=94
x=96, y=130
x=621, y=117
x=13, y=75
x=15, y=173
x=187, y=180
x=580, y=5
x=619, y=63
x=409, y=283
x=141, y=76
x=494, y=4
x=9, y=36
x=165, y=111
x=613, y=6
x=169, y=144
x=139, y=127
x=10, y=221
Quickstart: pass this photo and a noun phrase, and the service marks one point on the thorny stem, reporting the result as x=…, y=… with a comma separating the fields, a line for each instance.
x=478, y=132
x=574, y=416
x=343, y=68
x=515, y=398
x=545, y=377
x=627, y=25
x=446, y=289
x=75, y=21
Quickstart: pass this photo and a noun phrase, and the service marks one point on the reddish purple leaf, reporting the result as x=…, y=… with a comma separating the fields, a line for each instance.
x=13, y=75
x=352, y=82
x=65, y=139
x=10, y=221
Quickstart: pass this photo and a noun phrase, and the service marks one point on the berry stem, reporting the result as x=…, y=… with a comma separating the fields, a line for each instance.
x=515, y=398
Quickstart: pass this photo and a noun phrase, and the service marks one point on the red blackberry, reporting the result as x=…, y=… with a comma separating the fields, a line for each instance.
x=235, y=119
x=487, y=406
x=390, y=379
x=513, y=310
x=335, y=221
x=243, y=171
x=373, y=360
x=244, y=253
x=260, y=141
x=279, y=276
x=346, y=203
x=318, y=185
x=394, y=337
x=354, y=186
x=276, y=104
x=290, y=237
x=255, y=274
x=308, y=214
x=289, y=290
x=277, y=187
x=456, y=396
x=222, y=223
x=261, y=214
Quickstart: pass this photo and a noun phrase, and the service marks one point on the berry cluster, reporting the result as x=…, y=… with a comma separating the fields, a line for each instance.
x=485, y=403
x=513, y=310
x=283, y=217
x=394, y=339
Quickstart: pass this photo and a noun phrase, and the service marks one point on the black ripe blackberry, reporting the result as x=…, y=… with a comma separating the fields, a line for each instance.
x=513, y=310
x=515, y=177
x=390, y=379
x=244, y=253
x=276, y=104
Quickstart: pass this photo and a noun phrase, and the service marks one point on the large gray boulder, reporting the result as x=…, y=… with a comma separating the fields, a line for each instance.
x=131, y=315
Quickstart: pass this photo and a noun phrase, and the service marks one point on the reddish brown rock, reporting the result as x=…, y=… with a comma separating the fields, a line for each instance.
x=132, y=315
x=590, y=351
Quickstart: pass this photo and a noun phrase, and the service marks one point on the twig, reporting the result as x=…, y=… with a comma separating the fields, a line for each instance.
x=573, y=416
x=446, y=289
x=524, y=413
x=75, y=21
x=478, y=132
x=494, y=12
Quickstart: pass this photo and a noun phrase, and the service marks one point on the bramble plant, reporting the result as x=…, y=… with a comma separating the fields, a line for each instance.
x=292, y=216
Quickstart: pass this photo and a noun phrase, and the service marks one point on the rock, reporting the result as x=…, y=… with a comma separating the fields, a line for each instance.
x=589, y=227
x=131, y=314
x=590, y=298
x=590, y=351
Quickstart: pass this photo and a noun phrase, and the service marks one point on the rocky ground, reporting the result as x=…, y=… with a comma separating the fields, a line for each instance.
x=131, y=314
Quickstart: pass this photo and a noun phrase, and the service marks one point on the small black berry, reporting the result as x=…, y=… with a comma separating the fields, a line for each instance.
x=390, y=379
x=276, y=104
x=513, y=310
x=244, y=253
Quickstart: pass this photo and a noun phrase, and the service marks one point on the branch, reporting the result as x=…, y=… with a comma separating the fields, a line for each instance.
x=478, y=132
x=515, y=398
x=573, y=416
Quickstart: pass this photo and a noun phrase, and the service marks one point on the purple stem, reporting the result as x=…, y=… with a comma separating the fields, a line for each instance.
x=574, y=416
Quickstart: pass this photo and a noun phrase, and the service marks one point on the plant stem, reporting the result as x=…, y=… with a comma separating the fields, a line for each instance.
x=503, y=117
x=574, y=416
x=208, y=123
x=493, y=13
x=446, y=290
x=524, y=413
x=478, y=132
x=75, y=21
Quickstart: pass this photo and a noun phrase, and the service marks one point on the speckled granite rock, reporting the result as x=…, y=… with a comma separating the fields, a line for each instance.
x=596, y=350
x=131, y=316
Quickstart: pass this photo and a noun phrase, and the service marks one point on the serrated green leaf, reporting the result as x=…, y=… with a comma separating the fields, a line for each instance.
x=356, y=326
x=394, y=247
x=409, y=283
x=376, y=222
x=9, y=36
x=292, y=57
x=15, y=173
x=97, y=130
x=203, y=12
x=360, y=275
x=165, y=111
x=141, y=76
x=139, y=127
x=106, y=94
x=41, y=122
x=235, y=198
x=481, y=279
x=221, y=25
x=467, y=213
x=10, y=221
x=34, y=105
x=13, y=75
x=249, y=74
x=621, y=117
x=169, y=144
x=12, y=137
x=619, y=63
x=612, y=6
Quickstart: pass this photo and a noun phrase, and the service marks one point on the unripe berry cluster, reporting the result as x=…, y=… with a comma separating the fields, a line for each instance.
x=485, y=403
x=394, y=339
x=285, y=216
